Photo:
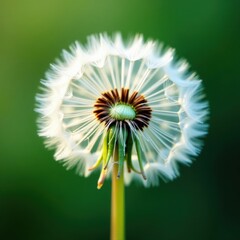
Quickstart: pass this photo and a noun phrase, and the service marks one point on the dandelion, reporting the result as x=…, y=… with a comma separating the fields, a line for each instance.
x=130, y=109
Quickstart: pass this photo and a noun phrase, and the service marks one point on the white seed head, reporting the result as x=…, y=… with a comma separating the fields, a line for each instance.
x=135, y=87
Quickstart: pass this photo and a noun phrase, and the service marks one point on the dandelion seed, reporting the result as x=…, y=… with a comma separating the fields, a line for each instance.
x=132, y=98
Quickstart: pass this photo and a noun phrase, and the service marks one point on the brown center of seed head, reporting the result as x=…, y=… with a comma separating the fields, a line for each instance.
x=112, y=98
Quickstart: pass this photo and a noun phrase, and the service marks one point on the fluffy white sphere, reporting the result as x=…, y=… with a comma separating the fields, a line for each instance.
x=178, y=107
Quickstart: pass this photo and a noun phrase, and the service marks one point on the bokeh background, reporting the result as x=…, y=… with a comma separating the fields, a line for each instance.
x=39, y=199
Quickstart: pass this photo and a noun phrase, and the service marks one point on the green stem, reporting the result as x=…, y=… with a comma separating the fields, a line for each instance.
x=117, y=208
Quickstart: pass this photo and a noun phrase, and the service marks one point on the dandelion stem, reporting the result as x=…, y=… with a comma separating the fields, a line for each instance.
x=117, y=208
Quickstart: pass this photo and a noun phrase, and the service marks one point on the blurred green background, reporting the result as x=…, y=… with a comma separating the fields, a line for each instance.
x=39, y=199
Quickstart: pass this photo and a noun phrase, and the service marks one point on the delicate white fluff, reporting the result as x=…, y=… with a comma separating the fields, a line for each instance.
x=179, y=109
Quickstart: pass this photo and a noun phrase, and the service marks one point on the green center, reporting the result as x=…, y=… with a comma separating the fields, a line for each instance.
x=122, y=112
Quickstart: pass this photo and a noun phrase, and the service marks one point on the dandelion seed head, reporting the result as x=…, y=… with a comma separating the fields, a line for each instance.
x=134, y=95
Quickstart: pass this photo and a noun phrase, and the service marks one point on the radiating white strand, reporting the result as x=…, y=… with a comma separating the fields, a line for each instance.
x=133, y=129
x=171, y=125
x=93, y=83
x=157, y=102
x=158, y=92
x=77, y=114
x=150, y=141
x=117, y=73
x=155, y=138
x=143, y=79
x=138, y=132
x=69, y=108
x=111, y=69
x=89, y=131
x=173, y=94
x=82, y=129
x=93, y=141
x=161, y=97
x=122, y=73
x=154, y=86
x=96, y=77
x=163, y=134
x=84, y=107
x=144, y=143
x=78, y=124
x=78, y=101
x=109, y=122
x=86, y=84
x=82, y=90
x=86, y=127
x=105, y=78
x=78, y=121
x=129, y=74
x=160, y=112
x=138, y=74
x=149, y=81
